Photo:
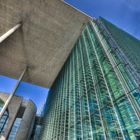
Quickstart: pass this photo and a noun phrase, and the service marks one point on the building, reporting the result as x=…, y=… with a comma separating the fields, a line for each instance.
x=18, y=120
x=91, y=66
x=33, y=35
x=37, y=128
x=96, y=95
x=47, y=28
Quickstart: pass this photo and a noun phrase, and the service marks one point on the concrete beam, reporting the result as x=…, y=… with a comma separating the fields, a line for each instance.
x=50, y=29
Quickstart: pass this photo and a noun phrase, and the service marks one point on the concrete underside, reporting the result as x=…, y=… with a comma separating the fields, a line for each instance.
x=50, y=29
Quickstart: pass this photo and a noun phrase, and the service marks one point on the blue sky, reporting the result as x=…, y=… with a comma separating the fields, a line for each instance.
x=29, y=91
x=123, y=13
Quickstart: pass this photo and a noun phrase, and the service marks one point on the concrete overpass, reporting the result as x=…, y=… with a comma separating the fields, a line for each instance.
x=48, y=33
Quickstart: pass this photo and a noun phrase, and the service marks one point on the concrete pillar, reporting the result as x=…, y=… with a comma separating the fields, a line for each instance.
x=27, y=122
x=13, y=109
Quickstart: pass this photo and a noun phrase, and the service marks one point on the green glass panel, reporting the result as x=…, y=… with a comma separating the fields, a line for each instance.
x=95, y=96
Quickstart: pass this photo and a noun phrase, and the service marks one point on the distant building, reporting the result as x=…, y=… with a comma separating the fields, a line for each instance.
x=96, y=95
x=37, y=128
x=18, y=121
x=91, y=67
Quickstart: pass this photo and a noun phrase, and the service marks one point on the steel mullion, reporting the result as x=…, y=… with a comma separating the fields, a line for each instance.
x=85, y=87
x=69, y=132
x=79, y=94
x=95, y=90
x=74, y=96
x=119, y=75
x=107, y=88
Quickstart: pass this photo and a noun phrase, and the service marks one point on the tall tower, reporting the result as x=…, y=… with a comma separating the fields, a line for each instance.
x=96, y=94
x=33, y=36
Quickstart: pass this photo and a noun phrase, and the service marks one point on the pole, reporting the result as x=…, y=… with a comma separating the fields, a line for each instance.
x=8, y=33
x=12, y=94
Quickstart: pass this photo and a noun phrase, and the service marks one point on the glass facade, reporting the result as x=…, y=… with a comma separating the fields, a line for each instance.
x=36, y=133
x=14, y=129
x=4, y=119
x=129, y=45
x=96, y=94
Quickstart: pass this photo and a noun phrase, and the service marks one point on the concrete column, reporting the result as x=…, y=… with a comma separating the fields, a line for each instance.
x=13, y=109
x=27, y=122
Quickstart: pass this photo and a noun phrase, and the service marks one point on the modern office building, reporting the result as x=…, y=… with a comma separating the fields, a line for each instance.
x=18, y=120
x=36, y=37
x=96, y=95
x=91, y=67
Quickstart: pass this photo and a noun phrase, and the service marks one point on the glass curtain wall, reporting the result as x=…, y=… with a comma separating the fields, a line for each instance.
x=4, y=119
x=96, y=94
x=14, y=129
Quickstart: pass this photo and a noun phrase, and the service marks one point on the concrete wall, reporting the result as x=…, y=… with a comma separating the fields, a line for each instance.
x=13, y=109
x=50, y=29
x=27, y=122
x=28, y=117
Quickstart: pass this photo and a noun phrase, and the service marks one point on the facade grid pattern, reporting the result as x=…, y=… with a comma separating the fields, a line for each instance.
x=96, y=94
